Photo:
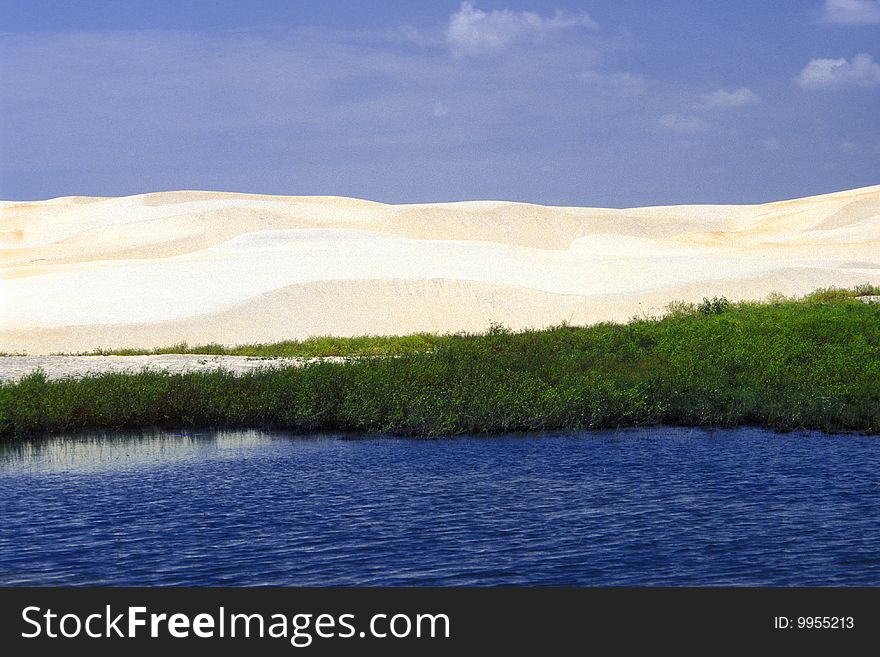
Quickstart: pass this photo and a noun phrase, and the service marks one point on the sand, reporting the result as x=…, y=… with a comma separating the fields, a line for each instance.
x=157, y=269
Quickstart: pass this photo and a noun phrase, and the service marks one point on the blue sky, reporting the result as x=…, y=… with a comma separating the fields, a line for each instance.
x=600, y=103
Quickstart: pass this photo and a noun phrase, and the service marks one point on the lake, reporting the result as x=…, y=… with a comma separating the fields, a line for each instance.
x=654, y=506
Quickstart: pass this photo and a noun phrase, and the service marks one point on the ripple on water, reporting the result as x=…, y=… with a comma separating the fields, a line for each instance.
x=638, y=507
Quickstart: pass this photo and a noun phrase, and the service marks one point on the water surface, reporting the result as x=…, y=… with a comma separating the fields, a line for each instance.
x=655, y=506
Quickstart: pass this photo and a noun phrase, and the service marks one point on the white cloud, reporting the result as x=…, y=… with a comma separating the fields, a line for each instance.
x=851, y=12
x=861, y=71
x=683, y=124
x=440, y=110
x=849, y=147
x=614, y=84
x=472, y=31
x=722, y=99
x=772, y=145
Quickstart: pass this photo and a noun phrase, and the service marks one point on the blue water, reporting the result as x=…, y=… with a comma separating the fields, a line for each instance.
x=637, y=507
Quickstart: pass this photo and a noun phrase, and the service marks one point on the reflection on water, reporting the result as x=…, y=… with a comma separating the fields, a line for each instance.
x=113, y=450
x=639, y=507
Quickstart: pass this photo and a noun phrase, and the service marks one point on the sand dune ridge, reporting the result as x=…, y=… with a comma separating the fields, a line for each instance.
x=196, y=266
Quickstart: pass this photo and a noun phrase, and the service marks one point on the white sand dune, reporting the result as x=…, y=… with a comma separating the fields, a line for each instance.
x=156, y=269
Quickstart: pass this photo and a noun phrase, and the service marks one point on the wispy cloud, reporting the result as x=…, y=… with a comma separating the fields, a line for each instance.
x=851, y=12
x=473, y=32
x=151, y=109
x=861, y=71
x=722, y=99
x=689, y=125
x=623, y=83
x=439, y=103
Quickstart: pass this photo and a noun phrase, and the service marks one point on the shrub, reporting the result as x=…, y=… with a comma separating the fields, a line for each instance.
x=713, y=306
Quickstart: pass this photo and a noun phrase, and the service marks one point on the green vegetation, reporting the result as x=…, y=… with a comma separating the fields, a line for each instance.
x=784, y=364
x=867, y=290
x=368, y=345
x=713, y=306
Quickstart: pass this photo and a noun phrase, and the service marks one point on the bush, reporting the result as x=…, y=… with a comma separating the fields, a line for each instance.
x=713, y=306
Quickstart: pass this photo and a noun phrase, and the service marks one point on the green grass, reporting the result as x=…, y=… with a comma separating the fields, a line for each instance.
x=784, y=364
x=368, y=345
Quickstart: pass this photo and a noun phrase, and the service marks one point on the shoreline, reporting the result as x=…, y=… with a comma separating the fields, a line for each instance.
x=57, y=367
x=812, y=363
x=211, y=433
